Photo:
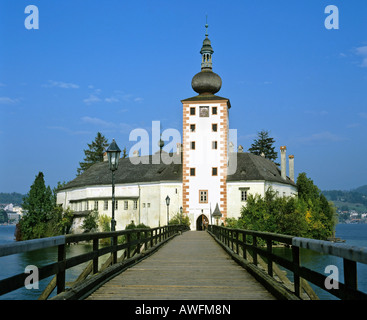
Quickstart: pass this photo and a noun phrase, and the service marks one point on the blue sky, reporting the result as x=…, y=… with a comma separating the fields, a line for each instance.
x=113, y=66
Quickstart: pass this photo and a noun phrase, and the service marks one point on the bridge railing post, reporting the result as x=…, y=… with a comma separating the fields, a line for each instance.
x=350, y=275
x=296, y=265
x=269, y=248
x=60, y=276
x=254, y=252
x=95, y=259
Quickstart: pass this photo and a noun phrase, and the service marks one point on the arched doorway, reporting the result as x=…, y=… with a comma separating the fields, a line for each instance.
x=202, y=222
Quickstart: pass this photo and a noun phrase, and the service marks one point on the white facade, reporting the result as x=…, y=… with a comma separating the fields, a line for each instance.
x=141, y=203
x=205, y=150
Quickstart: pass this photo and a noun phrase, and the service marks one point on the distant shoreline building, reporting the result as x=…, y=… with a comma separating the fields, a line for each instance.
x=205, y=171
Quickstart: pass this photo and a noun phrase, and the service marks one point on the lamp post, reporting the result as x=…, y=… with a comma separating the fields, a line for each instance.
x=113, y=153
x=167, y=203
x=181, y=210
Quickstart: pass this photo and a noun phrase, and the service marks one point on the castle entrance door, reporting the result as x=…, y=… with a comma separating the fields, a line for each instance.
x=202, y=223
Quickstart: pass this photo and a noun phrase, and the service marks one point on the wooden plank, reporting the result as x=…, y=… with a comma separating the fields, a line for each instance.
x=192, y=266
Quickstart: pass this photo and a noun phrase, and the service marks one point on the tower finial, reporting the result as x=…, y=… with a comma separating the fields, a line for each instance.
x=206, y=26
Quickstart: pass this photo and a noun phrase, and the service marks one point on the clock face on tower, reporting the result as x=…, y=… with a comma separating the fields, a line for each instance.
x=204, y=112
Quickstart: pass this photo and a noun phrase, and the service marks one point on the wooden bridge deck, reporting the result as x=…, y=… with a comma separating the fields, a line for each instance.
x=189, y=267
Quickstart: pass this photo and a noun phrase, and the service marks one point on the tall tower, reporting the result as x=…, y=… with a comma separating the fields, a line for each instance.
x=205, y=144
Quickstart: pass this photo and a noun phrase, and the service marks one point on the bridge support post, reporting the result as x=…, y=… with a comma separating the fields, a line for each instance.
x=60, y=277
x=350, y=275
x=296, y=265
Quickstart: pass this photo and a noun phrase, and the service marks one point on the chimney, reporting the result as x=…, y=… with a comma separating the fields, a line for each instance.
x=240, y=149
x=291, y=167
x=105, y=157
x=283, y=164
x=179, y=148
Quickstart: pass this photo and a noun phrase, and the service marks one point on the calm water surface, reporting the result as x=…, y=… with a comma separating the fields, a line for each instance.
x=354, y=234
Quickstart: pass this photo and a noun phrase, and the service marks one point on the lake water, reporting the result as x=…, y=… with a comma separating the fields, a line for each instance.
x=354, y=234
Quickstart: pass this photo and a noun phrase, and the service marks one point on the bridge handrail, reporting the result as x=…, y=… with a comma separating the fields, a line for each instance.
x=30, y=245
x=149, y=237
x=342, y=250
x=235, y=239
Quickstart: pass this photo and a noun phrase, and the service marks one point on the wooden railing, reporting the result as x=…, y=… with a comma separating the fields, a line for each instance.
x=250, y=248
x=133, y=244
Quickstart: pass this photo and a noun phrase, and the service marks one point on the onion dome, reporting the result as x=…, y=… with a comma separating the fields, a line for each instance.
x=206, y=81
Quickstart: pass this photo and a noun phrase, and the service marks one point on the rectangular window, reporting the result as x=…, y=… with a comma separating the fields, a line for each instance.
x=126, y=205
x=86, y=205
x=243, y=195
x=192, y=145
x=95, y=205
x=214, y=171
x=135, y=204
x=192, y=127
x=214, y=110
x=192, y=111
x=214, y=127
x=148, y=204
x=203, y=196
x=144, y=205
x=105, y=205
x=192, y=172
x=215, y=145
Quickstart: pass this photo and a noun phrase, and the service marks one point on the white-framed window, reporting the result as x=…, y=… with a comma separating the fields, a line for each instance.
x=244, y=194
x=95, y=205
x=135, y=204
x=203, y=196
x=105, y=205
x=126, y=205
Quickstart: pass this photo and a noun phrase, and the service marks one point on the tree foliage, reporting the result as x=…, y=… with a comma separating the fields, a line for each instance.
x=94, y=153
x=264, y=145
x=309, y=215
x=42, y=217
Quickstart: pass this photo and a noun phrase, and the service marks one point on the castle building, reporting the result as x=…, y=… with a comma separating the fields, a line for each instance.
x=205, y=173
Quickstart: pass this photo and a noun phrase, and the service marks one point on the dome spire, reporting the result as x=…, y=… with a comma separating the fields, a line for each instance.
x=206, y=82
x=206, y=50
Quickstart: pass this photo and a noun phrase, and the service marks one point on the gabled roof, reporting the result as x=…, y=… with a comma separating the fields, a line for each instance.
x=252, y=167
x=249, y=167
x=128, y=172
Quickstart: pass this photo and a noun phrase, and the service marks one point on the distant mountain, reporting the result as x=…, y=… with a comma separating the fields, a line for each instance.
x=355, y=199
x=362, y=189
x=14, y=198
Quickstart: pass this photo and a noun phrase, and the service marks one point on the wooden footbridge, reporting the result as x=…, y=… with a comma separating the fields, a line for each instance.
x=173, y=263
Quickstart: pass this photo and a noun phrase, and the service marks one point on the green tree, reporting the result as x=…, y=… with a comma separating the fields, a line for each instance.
x=38, y=205
x=94, y=153
x=180, y=218
x=264, y=145
x=3, y=216
x=90, y=222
